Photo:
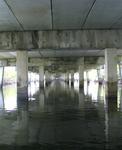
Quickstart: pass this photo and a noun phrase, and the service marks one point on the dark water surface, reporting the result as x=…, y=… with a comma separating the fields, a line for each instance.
x=60, y=117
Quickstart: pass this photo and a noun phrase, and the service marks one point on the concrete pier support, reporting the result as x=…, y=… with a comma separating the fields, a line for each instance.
x=41, y=76
x=87, y=77
x=67, y=78
x=72, y=78
x=120, y=72
x=98, y=75
x=22, y=74
x=1, y=76
x=111, y=73
x=81, y=73
x=47, y=78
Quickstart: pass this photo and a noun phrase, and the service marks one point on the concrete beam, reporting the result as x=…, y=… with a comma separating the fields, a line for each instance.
x=65, y=39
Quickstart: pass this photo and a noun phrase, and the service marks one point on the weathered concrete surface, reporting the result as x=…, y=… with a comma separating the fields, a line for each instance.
x=72, y=78
x=3, y=63
x=111, y=91
x=66, y=39
x=81, y=72
x=47, y=78
x=67, y=77
x=41, y=76
x=22, y=70
x=110, y=65
x=111, y=73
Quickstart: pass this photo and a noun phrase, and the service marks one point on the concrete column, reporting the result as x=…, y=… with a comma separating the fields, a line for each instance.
x=63, y=76
x=87, y=77
x=47, y=78
x=41, y=76
x=120, y=100
x=67, y=78
x=72, y=78
x=22, y=74
x=120, y=71
x=111, y=72
x=1, y=76
x=81, y=73
x=98, y=75
x=3, y=63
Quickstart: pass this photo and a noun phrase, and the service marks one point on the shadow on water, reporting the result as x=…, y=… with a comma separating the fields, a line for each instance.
x=60, y=118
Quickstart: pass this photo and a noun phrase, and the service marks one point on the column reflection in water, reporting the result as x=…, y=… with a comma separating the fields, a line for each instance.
x=101, y=94
x=119, y=98
x=10, y=97
x=111, y=102
x=59, y=126
x=22, y=127
x=33, y=88
x=8, y=106
x=113, y=123
x=41, y=100
x=94, y=90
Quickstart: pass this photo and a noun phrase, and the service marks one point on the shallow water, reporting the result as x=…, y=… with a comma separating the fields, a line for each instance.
x=60, y=117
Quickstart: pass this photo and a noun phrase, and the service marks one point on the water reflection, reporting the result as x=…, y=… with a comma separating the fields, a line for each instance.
x=60, y=117
x=9, y=94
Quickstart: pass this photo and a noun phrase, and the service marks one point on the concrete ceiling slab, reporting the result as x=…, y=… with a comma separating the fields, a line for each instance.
x=70, y=14
x=104, y=14
x=20, y=15
x=32, y=14
x=118, y=24
x=8, y=21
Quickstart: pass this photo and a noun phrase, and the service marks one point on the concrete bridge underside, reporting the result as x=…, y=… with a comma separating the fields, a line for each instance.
x=70, y=43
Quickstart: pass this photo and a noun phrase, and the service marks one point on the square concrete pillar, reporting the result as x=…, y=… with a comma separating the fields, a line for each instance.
x=22, y=74
x=41, y=76
x=99, y=77
x=120, y=71
x=1, y=76
x=111, y=72
x=81, y=72
x=67, y=77
x=47, y=78
x=72, y=78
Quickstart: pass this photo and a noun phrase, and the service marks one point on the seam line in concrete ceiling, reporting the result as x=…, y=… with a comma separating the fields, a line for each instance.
x=9, y=7
x=51, y=6
x=88, y=13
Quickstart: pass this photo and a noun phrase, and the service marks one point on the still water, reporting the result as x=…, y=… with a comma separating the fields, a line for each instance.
x=60, y=117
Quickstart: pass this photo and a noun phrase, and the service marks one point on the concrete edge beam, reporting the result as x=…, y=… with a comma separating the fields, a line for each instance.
x=65, y=39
